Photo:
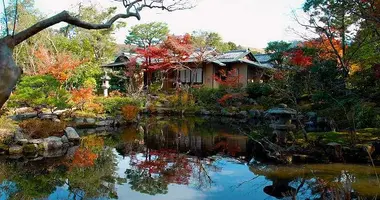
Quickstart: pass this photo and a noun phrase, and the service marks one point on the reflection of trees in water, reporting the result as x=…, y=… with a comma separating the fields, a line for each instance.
x=39, y=179
x=325, y=182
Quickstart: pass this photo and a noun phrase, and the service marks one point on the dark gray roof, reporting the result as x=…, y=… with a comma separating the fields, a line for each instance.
x=263, y=58
x=235, y=56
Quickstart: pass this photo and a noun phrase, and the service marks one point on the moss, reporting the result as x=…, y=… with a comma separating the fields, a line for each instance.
x=41, y=147
x=30, y=148
x=4, y=147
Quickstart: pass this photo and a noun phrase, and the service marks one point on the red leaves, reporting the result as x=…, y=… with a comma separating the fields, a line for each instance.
x=298, y=58
x=168, y=55
x=229, y=78
x=174, y=167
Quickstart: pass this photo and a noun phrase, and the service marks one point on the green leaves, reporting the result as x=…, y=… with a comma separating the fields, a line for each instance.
x=40, y=90
x=145, y=35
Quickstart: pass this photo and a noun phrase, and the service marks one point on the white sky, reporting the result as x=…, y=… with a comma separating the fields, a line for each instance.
x=251, y=23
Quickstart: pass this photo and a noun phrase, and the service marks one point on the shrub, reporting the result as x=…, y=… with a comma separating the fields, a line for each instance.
x=40, y=90
x=36, y=128
x=207, y=96
x=130, y=112
x=113, y=105
x=256, y=90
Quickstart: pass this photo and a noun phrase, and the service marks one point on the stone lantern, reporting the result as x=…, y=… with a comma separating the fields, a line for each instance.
x=281, y=122
x=105, y=85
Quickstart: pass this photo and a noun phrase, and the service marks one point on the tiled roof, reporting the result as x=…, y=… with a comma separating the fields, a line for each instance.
x=232, y=56
x=242, y=56
x=262, y=58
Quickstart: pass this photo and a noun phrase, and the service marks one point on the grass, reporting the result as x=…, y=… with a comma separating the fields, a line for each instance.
x=363, y=136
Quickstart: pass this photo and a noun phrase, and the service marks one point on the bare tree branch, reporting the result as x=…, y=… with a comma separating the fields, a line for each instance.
x=64, y=16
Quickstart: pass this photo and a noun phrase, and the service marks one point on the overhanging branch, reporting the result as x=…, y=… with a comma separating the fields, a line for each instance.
x=64, y=16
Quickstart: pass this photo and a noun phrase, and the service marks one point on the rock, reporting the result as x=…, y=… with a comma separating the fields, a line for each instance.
x=71, y=134
x=71, y=151
x=49, y=116
x=65, y=139
x=60, y=112
x=243, y=113
x=35, y=141
x=104, y=123
x=205, y=112
x=24, y=116
x=52, y=143
x=3, y=148
x=37, y=158
x=79, y=120
x=18, y=134
x=54, y=153
x=66, y=145
x=15, y=149
x=41, y=146
x=30, y=148
x=90, y=120
x=21, y=141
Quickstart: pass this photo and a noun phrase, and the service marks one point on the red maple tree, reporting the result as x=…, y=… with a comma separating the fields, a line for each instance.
x=165, y=57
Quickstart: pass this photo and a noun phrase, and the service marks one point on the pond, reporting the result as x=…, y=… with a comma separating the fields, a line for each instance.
x=177, y=159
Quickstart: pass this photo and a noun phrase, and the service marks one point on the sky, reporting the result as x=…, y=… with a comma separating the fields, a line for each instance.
x=250, y=23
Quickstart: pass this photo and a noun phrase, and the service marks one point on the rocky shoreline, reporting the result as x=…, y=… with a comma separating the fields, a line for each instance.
x=52, y=146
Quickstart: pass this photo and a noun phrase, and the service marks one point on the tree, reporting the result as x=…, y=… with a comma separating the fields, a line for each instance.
x=10, y=72
x=277, y=50
x=40, y=91
x=168, y=56
x=146, y=35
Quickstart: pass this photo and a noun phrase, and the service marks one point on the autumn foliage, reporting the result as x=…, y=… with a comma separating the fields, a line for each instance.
x=83, y=158
x=174, y=167
x=168, y=55
x=82, y=96
x=298, y=58
x=130, y=112
x=326, y=49
x=228, y=78
x=60, y=66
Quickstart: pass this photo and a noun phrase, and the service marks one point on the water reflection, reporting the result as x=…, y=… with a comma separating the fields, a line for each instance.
x=177, y=159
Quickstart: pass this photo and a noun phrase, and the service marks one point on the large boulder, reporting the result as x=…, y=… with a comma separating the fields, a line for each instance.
x=71, y=134
x=52, y=143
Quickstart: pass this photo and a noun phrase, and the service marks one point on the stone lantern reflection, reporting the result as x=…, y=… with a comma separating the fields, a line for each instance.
x=105, y=85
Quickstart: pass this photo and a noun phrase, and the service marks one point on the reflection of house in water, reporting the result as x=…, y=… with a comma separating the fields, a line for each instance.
x=195, y=144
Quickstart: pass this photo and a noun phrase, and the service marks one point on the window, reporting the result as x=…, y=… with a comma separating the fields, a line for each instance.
x=186, y=76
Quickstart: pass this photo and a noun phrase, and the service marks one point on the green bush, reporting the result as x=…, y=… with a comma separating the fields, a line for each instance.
x=368, y=116
x=113, y=105
x=40, y=91
x=256, y=90
x=207, y=96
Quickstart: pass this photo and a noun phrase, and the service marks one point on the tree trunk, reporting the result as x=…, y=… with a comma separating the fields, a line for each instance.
x=9, y=72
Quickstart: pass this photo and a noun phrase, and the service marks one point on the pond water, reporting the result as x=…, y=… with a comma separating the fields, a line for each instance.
x=177, y=159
